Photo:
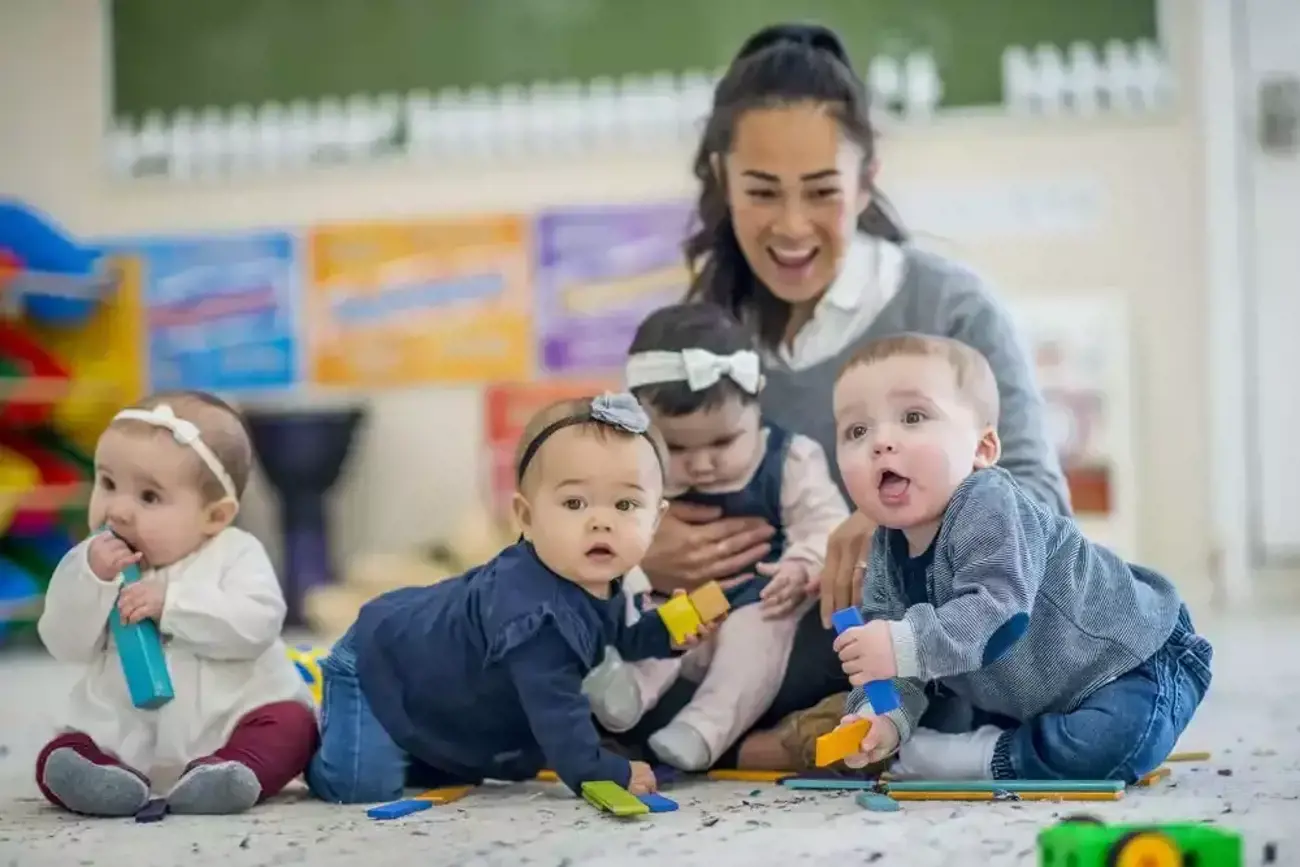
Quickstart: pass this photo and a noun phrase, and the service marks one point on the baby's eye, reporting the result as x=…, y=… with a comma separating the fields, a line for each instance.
x=106, y=483
x=855, y=432
x=150, y=498
x=572, y=503
x=913, y=416
x=627, y=505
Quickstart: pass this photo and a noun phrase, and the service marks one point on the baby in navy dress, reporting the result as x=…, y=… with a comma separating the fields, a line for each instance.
x=480, y=676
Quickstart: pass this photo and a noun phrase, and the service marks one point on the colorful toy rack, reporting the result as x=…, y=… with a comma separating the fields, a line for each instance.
x=70, y=355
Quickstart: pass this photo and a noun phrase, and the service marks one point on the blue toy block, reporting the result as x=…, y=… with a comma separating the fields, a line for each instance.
x=398, y=809
x=881, y=693
x=140, y=650
x=658, y=803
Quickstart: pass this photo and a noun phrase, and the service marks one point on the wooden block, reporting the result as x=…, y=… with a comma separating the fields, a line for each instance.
x=749, y=776
x=398, y=809
x=679, y=616
x=828, y=784
x=876, y=802
x=1018, y=786
x=1193, y=756
x=613, y=798
x=445, y=795
x=844, y=741
x=548, y=776
x=710, y=602
x=1154, y=777
x=1003, y=795
x=658, y=803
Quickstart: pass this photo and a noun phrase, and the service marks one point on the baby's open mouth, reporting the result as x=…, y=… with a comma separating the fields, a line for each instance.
x=600, y=551
x=892, y=485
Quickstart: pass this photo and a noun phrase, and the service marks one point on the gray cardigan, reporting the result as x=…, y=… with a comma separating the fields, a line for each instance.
x=938, y=297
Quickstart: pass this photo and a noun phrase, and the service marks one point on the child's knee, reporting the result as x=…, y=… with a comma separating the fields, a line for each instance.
x=1124, y=748
x=351, y=785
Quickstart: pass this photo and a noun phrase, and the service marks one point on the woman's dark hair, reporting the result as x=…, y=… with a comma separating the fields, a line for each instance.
x=691, y=326
x=779, y=65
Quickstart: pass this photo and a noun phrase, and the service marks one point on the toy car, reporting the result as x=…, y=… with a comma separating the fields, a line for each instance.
x=1084, y=841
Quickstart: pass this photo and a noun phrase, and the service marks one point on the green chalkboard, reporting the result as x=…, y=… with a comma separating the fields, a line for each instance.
x=169, y=54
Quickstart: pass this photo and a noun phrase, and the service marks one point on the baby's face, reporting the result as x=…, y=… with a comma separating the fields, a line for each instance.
x=906, y=438
x=710, y=448
x=147, y=491
x=591, y=504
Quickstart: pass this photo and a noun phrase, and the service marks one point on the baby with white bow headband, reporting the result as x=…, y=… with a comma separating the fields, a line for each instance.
x=693, y=368
x=169, y=473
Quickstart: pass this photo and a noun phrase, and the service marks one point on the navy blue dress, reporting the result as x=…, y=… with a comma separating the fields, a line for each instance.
x=761, y=498
x=480, y=676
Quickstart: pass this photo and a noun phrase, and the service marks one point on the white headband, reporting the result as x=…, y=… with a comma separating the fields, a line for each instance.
x=698, y=368
x=187, y=434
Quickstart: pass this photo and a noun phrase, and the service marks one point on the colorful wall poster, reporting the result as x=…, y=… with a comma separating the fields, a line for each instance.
x=427, y=301
x=600, y=271
x=221, y=311
x=507, y=408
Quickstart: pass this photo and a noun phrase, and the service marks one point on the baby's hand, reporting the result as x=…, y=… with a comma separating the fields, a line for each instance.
x=109, y=555
x=142, y=599
x=867, y=653
x=701, y=635
x=880, y=743
x=643, y=779
x=787, y=590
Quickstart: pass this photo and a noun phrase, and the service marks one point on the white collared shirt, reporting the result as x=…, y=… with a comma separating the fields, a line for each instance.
x=872, y=273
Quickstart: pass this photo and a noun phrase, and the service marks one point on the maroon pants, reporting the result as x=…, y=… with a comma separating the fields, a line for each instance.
x=275, y=742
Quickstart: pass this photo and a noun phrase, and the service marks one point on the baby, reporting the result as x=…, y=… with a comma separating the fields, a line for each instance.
x=480, y=676
x=694, y=369
x=168, y=477
x=1079, y=665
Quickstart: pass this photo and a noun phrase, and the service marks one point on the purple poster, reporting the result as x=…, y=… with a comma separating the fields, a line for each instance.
x=600, y=271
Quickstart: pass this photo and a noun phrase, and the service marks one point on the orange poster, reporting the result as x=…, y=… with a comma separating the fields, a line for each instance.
x=425, y=301
x=507, y=409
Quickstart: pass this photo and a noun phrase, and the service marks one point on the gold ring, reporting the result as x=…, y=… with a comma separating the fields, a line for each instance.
x=862, y=565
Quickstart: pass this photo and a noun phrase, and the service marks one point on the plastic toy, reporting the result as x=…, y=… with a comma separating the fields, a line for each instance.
x=737, y=776
x=307, y=659
x=423, y=801
x=1088, y=842
x=843, y=741
x=613, y=798
x=881, y=693
x=658, y=803
x=685, y=614
x=877, y=802
x=139, y=647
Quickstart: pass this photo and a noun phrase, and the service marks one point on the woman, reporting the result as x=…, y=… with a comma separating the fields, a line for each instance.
x=797, y=243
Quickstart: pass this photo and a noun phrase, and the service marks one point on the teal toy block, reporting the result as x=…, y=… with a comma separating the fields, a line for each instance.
x=140, y=650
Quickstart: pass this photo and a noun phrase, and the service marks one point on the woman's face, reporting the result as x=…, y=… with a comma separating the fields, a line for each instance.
x=795, y=187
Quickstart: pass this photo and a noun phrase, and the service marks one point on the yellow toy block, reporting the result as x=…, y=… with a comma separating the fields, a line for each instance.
x=680, y=617
x=710, y=602
x=844, y=741
x=445, y=795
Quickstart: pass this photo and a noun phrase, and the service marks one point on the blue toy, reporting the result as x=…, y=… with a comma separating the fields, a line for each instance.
x=139, y=647
x=398, y=809
x=880, y=693
x=658, y=803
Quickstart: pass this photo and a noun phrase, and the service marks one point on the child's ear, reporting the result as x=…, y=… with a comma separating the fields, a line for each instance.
x=988, y=450
x=220, y=515
x=660, y=512
x=523, y=512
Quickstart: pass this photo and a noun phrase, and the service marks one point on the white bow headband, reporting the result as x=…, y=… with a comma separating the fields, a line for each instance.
x=698, y=368
x=187, y=434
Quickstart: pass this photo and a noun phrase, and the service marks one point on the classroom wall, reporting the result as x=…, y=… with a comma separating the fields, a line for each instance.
x=418, y=463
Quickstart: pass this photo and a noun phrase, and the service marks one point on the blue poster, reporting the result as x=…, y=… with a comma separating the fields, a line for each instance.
x=221, y=311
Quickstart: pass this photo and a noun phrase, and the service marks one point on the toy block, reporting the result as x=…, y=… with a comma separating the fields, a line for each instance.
x=876, y=802
x=710, y=602
x=658, y=803
x=398, y=809
x=548, y=777
x=844, y=741
x=830, y=784
x=154, y=811
x=736, y=776
x=613, y=798
x=881, y=693
x=1154, y=777
x=1194, y=756
x=444, y=795
x=140, y=651
x=1004, y=795
x=1017, y=786
x=680, y=617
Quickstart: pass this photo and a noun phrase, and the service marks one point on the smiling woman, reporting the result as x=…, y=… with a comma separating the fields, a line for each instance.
x=797, y=243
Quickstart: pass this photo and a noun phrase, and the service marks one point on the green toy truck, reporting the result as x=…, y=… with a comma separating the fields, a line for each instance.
x=1083, y=841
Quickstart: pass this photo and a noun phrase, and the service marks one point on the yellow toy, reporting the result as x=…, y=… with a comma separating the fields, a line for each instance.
x=684, y=614
x=844, y=741
x=307, y=660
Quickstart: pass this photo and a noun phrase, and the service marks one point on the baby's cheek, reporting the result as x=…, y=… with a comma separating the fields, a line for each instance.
x=859, y=478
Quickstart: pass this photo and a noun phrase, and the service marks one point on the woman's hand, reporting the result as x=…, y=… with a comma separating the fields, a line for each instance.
x=695, y=544
x=846, y=557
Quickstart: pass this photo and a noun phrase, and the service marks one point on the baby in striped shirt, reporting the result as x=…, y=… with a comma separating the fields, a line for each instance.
x=1078, y=665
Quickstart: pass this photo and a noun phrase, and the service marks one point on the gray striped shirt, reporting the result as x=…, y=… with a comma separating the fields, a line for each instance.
x=1023, y=614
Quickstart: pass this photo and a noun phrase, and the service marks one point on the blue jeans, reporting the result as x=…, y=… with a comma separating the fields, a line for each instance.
x=1123, y=730
x=358, y=763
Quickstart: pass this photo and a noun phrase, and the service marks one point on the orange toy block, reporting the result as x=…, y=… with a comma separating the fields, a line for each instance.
x=445, y=795
x=844, y=741
x=680, y=617
x=710, y=602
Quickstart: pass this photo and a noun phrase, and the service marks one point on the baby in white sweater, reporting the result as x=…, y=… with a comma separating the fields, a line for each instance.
x=168, y=477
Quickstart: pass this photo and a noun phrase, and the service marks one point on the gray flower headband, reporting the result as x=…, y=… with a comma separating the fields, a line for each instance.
x=620, y=411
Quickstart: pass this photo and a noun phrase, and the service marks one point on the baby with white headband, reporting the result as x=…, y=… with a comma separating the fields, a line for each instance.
x=169, y=473
x=694, y=369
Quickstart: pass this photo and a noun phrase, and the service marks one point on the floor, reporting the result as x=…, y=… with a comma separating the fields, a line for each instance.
x=1251, y=723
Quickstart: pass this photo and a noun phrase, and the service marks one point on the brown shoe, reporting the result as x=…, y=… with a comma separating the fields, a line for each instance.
x=798, y=734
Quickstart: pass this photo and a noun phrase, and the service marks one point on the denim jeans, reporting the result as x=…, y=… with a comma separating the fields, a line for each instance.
x=1122, y=731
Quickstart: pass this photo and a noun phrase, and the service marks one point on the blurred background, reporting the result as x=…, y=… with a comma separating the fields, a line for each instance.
x=389, y=230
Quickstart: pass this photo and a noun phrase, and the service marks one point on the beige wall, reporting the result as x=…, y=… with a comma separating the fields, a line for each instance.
x=418, y=462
